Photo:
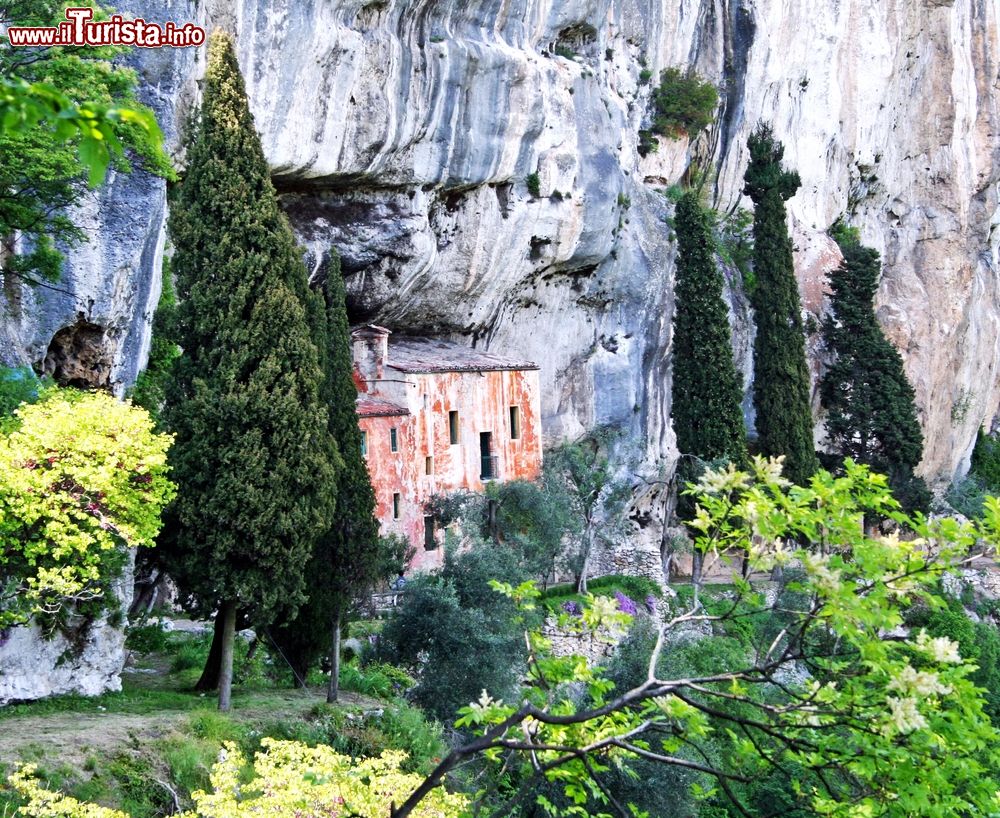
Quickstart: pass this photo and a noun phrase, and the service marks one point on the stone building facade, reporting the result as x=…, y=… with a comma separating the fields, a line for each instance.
x=439, y=417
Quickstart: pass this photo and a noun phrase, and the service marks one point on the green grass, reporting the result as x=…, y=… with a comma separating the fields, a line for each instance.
x=131, y=699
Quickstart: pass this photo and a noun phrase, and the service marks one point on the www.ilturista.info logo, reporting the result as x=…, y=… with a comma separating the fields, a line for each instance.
x=81, y=29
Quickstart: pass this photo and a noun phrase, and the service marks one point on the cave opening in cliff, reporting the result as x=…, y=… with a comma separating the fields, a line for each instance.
x=79, y=355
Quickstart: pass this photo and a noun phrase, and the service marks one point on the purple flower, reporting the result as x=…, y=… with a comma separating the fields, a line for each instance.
x=625, y=604
x=651, y=603
x=572, y=608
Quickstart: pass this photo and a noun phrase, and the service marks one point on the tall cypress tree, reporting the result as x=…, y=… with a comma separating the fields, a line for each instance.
x=871, y=416
x=781, y=375
x=349, y=558
x=706, y=393
x=253, y=457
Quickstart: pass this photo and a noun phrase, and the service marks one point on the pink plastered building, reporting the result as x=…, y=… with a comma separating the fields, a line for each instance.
x=439, y=417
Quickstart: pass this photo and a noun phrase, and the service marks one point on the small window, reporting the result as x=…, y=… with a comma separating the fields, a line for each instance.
x=453, y=427
x=395, y=506
x=515, y=423
x=393, y=440
x=429, y=542
x=428, y=465
x=364, y=444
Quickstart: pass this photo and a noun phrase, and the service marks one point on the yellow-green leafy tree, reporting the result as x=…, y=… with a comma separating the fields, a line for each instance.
x=83, y=478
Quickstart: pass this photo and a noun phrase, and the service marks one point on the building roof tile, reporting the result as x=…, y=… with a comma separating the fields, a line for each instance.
x=426, y=355
x=369, y=407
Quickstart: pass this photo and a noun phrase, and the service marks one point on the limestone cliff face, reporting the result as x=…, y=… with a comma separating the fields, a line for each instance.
x=401, y=133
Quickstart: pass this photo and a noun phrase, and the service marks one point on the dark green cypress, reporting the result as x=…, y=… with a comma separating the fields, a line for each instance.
x=781, y=375
x=253, y=457
x=871, y=416
x=349, y=558
x=706, y=394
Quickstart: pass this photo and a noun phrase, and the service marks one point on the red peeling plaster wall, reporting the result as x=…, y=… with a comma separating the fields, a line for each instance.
x=483, y=401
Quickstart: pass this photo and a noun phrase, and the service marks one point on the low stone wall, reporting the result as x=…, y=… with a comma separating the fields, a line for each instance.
x=596, y=647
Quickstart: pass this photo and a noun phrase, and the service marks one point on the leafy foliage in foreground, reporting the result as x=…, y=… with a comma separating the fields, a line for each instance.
x=83, y=477
x=289, y=780
x=880, y=727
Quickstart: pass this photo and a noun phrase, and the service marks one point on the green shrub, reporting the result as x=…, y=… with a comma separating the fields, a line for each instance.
x=189, y=762
x=645, y=76
x=375, y=679
x=955, y=624
x=407, y=728
x=212, y=725
x=967, y=497
x=844, y=234
x=565, y=51
x=647, y=143
x=459, y=631
x=636, y=588
x=140, y=796
x=683, y=104
x=988, y=658
x=534, y=183
x=149, y=638
x=356, y=733
x=189, y=651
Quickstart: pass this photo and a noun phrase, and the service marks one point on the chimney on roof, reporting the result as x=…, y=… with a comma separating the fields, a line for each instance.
x=370, y=345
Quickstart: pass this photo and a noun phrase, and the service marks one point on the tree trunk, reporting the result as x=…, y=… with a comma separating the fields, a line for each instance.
x=213, y=664
x=697, y=563
x=667, y=545
x=581, y=582
x=145, y=597
x=333, y=691
x=227, y=613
